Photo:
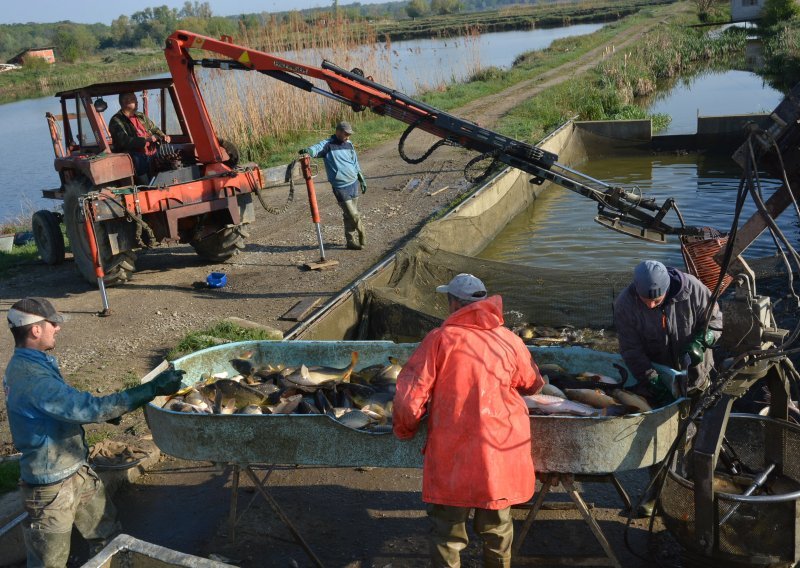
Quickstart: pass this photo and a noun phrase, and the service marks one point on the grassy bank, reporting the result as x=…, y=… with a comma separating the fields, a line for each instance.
x=782, y=53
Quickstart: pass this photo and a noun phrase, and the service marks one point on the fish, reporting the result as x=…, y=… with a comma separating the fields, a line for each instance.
x=321, y=377
x=390, y=372
x=598, y=378
x=554, y=405
x=225, y=390
x=287, y=405
x=244, y=367
x=194, y=398
x=355, y=419
x=631, y=400
x=552, y=390
x=592, y=397
x=250, y=409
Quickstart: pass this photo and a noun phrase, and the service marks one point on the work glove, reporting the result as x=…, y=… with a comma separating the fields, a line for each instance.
x=166, y=382
x=362, y=182
x=696, y=348
x=655, y=389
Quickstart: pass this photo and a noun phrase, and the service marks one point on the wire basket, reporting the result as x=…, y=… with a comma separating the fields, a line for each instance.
x=764, y=530
x=698, y=254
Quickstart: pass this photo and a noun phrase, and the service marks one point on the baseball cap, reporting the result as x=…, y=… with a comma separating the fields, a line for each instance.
x=33, y=310
x=464, y=287
x=651, y=280
x=345, y=127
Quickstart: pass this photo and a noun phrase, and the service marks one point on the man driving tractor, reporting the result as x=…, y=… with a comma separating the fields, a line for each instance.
x=134, y=133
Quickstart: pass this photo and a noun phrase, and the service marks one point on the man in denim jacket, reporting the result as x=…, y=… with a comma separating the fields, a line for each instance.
x=46, y=415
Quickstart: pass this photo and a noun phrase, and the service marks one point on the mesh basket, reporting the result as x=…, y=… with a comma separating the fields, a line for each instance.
x=758, y=533
x=698, y=254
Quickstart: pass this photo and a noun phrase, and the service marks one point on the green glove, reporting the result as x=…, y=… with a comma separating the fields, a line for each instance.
x=363, y=183
x=166, y=382
x=696, y=348
x=657, y=390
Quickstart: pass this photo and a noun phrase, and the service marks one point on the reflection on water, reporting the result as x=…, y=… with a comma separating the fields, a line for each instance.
x=558, y=230
x=715, y=93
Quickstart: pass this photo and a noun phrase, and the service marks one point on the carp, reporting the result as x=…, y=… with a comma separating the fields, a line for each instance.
x=631, y=400
x=312, y=378
x=592, y=397
x=224, y=390
x=554, y=405
x=552, y=390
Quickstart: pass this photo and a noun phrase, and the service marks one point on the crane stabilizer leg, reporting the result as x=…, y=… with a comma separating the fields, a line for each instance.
x=98, y=265
x=322, y=263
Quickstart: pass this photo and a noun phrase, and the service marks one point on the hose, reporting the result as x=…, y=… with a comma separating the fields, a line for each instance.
x=401, y=145
x=257, y=190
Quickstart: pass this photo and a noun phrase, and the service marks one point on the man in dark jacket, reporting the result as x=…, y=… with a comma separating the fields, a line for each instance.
x=659, y=319
x=46, y=418
x=131, y=131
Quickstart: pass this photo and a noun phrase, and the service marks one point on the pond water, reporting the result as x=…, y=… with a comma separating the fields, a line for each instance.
x=714, y=94
x=25, y=144
x=558, y=230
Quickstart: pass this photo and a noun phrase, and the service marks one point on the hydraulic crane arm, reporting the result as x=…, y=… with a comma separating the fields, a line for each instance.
x=618, y=208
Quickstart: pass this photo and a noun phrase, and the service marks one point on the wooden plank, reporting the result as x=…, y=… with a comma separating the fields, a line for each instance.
x=301, y=309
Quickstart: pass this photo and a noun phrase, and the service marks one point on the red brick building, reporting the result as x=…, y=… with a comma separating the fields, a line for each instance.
x=45, y=53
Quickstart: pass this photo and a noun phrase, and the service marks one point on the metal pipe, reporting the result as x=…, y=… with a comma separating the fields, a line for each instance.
x=305, y=167
x=758, y=482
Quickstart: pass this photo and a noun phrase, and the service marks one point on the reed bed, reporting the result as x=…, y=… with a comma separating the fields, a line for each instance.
x=261, y=114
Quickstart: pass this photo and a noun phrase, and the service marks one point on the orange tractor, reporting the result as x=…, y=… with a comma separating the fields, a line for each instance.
x=203, y=198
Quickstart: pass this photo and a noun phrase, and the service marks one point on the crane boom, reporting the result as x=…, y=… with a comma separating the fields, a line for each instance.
x=618, y=208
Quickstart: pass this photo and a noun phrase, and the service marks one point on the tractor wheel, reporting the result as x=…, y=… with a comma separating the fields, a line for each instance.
x=222, y=245
x=118, y=268
x=48, y=236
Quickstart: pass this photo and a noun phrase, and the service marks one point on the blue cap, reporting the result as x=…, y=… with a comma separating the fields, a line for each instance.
x=651, y=279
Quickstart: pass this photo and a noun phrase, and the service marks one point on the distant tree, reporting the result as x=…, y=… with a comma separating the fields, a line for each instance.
x=445, y=6
x=37, y=64
x=121, y=31
x=195, y=10
x=73, y=42
x=778, y=11
x=417, y=8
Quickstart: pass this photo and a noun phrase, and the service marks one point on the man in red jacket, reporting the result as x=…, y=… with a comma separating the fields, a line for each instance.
x=466, y=374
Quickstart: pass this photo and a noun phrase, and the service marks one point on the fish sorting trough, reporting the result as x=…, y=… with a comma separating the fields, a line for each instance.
x=575, y=444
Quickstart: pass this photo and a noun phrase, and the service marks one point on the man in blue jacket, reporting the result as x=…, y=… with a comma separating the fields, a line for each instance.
x=46, y=415
x=344, y=175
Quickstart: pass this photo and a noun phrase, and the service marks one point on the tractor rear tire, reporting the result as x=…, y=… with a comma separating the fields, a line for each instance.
x=48, y=236
x=233, y=152
x=222, y=245
x=118, y=268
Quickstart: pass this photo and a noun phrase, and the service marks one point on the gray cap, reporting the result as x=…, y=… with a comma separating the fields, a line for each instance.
x=345, y=127
x=33, y=310
x=651, y=279
x=464, y=287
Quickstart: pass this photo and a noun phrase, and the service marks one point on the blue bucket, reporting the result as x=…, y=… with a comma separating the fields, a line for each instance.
x=217, y=279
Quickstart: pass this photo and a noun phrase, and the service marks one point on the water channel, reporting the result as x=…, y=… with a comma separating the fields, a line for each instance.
x=558, y=230
x=28, y=167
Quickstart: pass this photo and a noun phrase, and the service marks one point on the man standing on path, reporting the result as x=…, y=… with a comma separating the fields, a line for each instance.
x=345, y=177
x=46, y=415
x=466, y=375
x=131, y=131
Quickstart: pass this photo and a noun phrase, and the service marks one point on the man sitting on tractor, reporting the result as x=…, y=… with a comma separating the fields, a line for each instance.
x=132, y=132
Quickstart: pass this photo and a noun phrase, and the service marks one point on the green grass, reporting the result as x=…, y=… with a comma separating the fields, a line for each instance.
x=14, y=261
x=9, y=476
x=96, y=436
x=130, y=379
x=197, y=340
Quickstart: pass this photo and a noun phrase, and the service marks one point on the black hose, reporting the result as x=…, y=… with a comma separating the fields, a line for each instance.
x=401, y=144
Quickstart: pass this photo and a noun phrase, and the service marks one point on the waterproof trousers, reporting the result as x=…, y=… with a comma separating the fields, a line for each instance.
x=354, y=235
x=449, y=535
x=53, y=509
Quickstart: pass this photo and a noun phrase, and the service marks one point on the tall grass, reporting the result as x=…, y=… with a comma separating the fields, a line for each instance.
x=262, y=114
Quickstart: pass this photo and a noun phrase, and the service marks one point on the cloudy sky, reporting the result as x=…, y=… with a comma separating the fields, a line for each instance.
x=103, y=11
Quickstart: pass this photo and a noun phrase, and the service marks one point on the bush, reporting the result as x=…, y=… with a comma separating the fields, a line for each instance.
x=35, y=64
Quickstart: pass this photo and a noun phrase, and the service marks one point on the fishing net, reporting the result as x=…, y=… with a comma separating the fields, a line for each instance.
x=407, y=306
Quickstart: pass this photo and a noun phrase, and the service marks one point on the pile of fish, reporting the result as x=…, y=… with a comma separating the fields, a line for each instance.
x=585, y=394
x=358, y=399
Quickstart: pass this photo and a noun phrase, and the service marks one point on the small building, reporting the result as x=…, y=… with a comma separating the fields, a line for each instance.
x=45, y=53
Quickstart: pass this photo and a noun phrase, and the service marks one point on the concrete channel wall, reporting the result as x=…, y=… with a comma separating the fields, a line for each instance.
x=472, y=224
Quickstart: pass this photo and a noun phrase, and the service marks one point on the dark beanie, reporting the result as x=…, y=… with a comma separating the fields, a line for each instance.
x=651, y=280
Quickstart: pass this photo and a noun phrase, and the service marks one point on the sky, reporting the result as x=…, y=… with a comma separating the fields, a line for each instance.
x=104, y=11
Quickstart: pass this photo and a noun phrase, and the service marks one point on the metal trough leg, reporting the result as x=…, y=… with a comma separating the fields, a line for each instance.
x=282, y=516
x=552, y=480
